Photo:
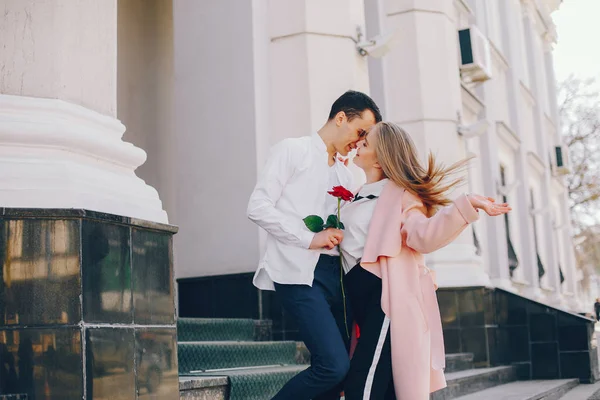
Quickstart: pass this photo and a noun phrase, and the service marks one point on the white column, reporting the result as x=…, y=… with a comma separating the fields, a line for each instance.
x=545, y=218
x=512, y=38
x=496, y=250
x=571, y=271
x=551, y=82
x=496, y=234
x=313, y=61
x=60, y=143
x=375, y=20
x=423, y=96
x=566, y=232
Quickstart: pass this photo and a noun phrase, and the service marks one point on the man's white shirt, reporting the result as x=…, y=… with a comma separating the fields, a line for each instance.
x=292, y=186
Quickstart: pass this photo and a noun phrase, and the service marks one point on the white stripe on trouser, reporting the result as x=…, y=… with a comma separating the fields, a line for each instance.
x=376, y=356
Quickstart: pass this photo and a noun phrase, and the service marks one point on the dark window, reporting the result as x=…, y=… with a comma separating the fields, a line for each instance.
x=559, y=156
x=513, y=261
x=562, y=277
x=476, y=243
x=541, y=269
x=540, y=265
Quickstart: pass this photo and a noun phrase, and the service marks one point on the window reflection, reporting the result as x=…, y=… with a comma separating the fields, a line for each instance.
x=40, y=272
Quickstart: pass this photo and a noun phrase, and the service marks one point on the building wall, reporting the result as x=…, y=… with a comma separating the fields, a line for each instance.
x=524, y=130
x=245, y=77
x=215, y=123
x=145, y=78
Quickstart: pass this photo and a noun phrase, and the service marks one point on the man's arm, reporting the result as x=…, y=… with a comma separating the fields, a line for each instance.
x=261, y=207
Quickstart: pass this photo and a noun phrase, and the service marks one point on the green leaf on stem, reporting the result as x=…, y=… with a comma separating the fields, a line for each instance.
x=314, y=223
x=332, y=222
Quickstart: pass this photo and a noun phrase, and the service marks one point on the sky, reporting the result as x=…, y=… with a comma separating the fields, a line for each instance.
x=578, y=47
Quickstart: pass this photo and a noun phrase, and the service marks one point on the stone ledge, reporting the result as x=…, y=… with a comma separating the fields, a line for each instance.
x=202, y=382
x=70, y=213
x=204, y=388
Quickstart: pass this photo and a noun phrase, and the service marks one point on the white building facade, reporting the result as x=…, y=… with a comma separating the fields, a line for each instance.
x=206, y=87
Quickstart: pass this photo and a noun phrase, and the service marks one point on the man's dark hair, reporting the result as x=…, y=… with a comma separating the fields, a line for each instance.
x=353, y=104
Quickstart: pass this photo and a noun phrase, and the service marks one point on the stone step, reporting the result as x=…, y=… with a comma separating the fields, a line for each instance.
x=458, y=362
x=241, y=384
x=526, y=390
x=465, y=382
x=203, y=387
x=200, y=356
x=223, y=329
x=583, y=392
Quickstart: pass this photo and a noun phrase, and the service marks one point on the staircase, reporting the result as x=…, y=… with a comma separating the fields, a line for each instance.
x=235, y=359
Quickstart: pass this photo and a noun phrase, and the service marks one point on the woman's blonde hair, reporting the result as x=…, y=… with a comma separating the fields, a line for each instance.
x=397, y=155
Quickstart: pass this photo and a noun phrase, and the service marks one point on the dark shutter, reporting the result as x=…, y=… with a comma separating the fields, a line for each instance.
x=541, y=269
x=559, y=156
x=466, y=47
x=476, y=243
x=513, y=261
x=562, y=277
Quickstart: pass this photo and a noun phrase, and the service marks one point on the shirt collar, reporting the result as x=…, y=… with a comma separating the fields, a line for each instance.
x=374, y=188
x=319, y=143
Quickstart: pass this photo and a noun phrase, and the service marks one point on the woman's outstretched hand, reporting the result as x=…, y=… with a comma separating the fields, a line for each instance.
x=488, y=204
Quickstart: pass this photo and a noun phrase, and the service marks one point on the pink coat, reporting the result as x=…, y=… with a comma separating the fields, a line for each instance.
x=399, y=234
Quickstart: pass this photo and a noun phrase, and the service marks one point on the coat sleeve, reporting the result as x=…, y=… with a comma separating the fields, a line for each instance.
x=427, y=235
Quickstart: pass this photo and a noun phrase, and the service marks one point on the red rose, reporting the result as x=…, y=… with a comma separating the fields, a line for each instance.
x=341, y=193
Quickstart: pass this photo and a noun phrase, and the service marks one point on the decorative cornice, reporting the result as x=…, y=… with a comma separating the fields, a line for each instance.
x=558, y=184
x=470, y=100
x=528, y=95
x=536, y=162
x=465, y=7
x=507, y=135
x=497, y=55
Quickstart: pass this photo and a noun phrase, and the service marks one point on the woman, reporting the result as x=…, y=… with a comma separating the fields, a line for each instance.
x=389, y=225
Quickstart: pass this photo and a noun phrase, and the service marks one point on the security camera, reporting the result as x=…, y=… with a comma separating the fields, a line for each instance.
x=377, y=47
x=473, y=130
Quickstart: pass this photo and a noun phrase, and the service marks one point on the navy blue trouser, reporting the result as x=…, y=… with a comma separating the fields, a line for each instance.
x=319, y=313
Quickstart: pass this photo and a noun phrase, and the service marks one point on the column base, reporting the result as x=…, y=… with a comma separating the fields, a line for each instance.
x=86, y=305
x=55, y=154
x=534, y=293
x=456, y=265
x=556, y=299
x=573, y=303
x=504, y=283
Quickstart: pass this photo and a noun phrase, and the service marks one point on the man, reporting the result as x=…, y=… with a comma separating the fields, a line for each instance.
x=303, y=267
